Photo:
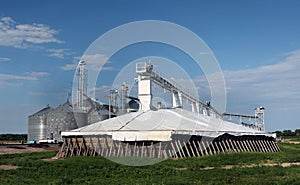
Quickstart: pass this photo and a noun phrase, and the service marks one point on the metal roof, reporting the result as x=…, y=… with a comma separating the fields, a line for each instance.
x=66, y=107
x=43, y=111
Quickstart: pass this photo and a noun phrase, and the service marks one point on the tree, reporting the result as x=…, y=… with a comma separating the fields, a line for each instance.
x=287, y=133
x=278, y=133
x=12, y=137
x=297, y=132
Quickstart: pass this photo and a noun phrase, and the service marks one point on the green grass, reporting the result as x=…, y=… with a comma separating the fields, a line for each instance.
x=98, y=170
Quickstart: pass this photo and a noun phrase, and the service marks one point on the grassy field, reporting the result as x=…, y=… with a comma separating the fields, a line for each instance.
x=244, y=169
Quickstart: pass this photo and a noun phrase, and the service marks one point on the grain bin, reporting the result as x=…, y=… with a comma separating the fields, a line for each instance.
x=37, y=124
x=63, y=119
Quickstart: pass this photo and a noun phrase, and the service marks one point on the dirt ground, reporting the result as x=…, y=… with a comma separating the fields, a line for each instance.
x=17, y=148
x=289, y=141
x=14, y=149
x=8, y=167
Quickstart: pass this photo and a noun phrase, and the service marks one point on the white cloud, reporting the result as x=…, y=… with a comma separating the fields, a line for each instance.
x=280, y=80
x=59, y=53
x=16, y=77
x=93, y=62
x=4, y=59
x=14, y=80
x=103, y=90
x=69, y=67
x=275, y=85
x=17, y=35
x=107, y=68
x=9, y=84
x=37, y=74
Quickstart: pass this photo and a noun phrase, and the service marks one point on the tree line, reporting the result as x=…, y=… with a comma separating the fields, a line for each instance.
x=288, y=133
x=13, y=137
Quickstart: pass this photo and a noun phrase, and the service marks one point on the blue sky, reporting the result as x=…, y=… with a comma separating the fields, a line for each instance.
x=257, y=44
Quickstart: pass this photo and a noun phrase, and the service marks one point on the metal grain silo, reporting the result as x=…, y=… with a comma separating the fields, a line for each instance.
x=37, y=124
x=98, y=115
x=63, y=119
x=81, y=118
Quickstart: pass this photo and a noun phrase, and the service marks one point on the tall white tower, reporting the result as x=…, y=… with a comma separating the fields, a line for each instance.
x=260, y=120
x=144, y=85
x=81, y=86
x=123, y=96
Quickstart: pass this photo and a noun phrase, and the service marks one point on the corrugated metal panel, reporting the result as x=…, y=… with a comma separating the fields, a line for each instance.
x=37, y=124
x=64, y=119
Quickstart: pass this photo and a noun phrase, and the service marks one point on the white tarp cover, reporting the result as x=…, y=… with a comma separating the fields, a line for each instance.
x=160, y=124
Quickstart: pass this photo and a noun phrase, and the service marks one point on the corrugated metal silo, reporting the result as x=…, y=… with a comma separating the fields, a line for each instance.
x=97, y=112
x=63, y=119
x=81, y=118
x=37, y=124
